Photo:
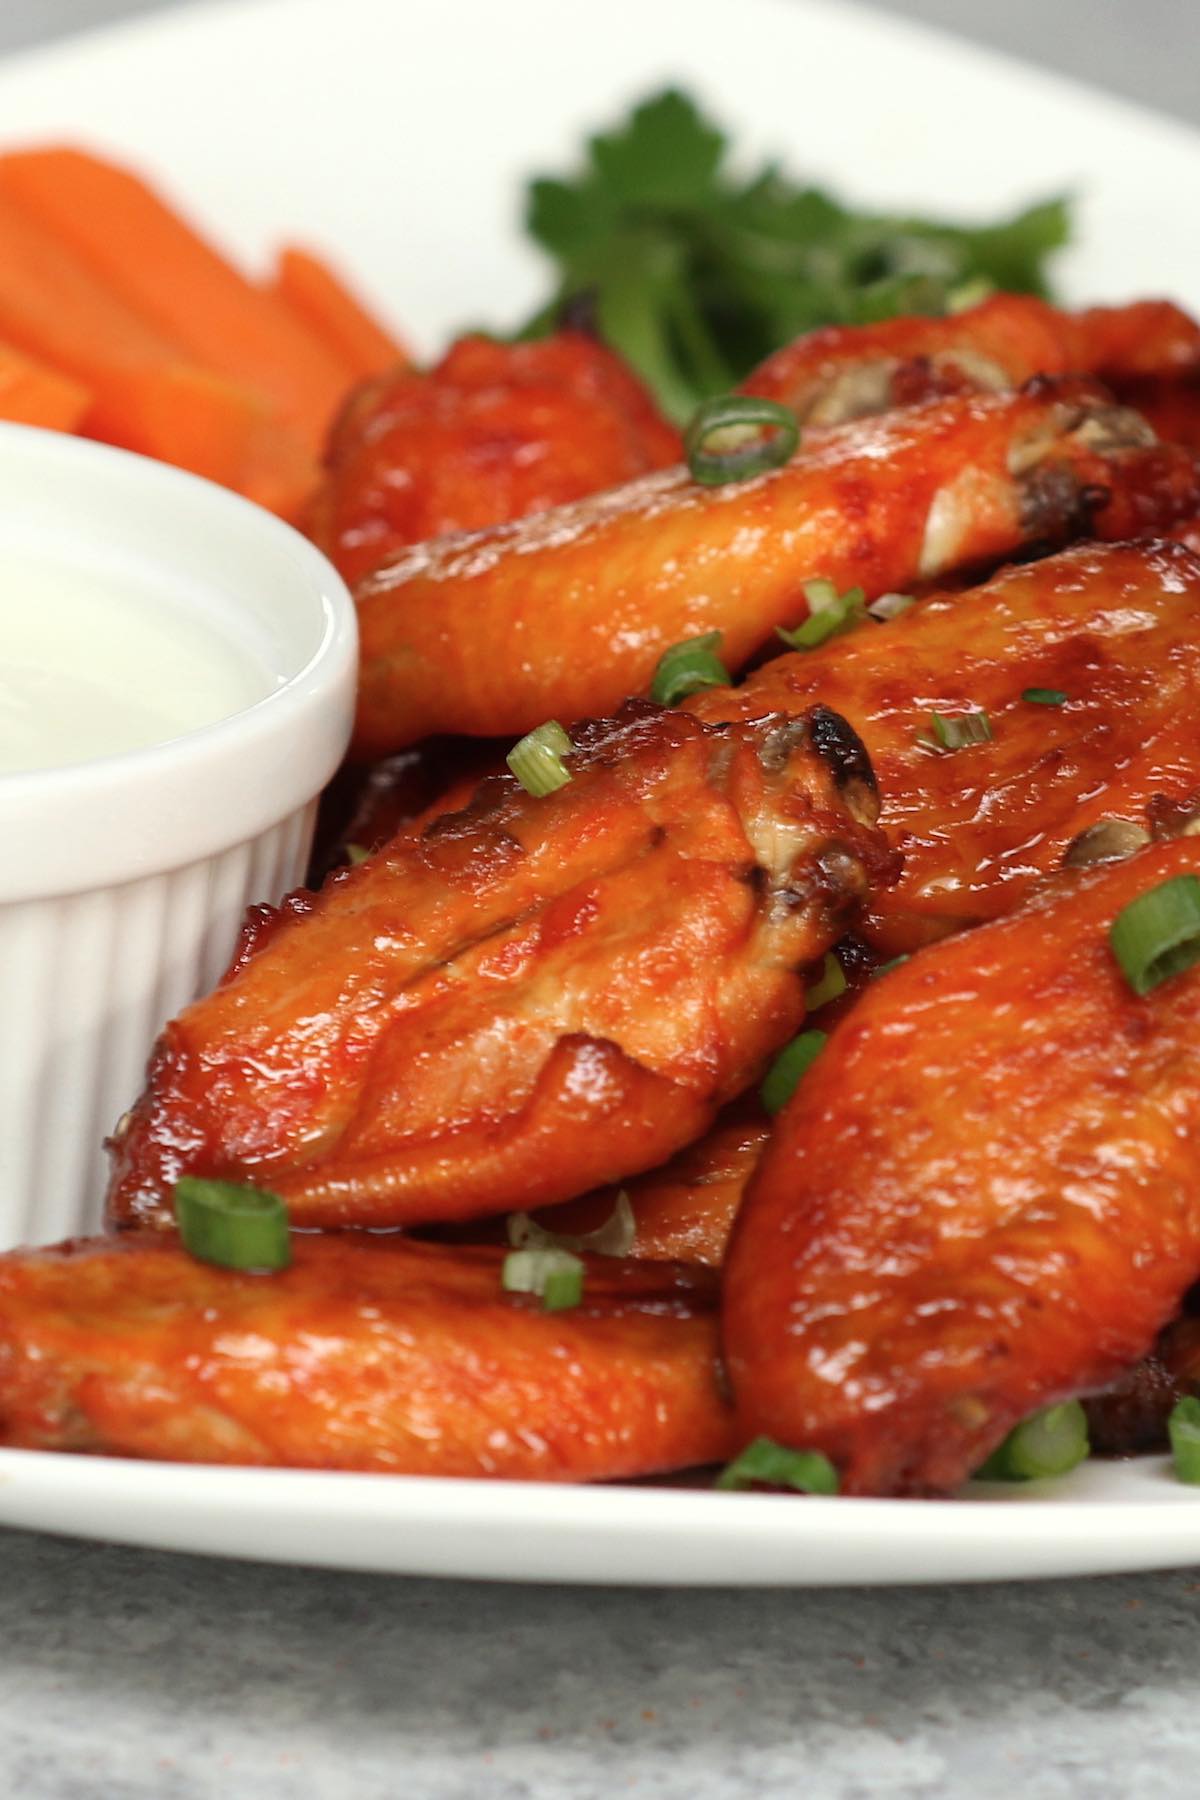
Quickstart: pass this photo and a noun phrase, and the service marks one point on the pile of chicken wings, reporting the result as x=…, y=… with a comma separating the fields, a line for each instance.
x=979, y=1198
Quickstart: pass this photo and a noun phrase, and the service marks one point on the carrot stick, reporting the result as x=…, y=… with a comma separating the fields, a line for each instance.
x=32, y=394
x=210, y=426
x=145, y=395
x=316, y=293
x=54, y=309
x=154, y=262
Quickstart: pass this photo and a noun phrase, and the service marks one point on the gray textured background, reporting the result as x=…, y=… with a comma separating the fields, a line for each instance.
x=149, y=1677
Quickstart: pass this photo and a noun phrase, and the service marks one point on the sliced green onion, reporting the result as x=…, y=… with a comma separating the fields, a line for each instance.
x=234, y=1226
x=829, y=614
x=356, y=853
x=737, y=436
x=1158, y=934
x=831, y=984
x=1051, y=1442
x=960, y=732
x=687, y=667
x=1184, y=1429
x=890, y=606
x=887, y=967
x=785, y=1073
x=614, y=1238
x=554, y=1275
x=821, y=593
x=768, y=1464
x=1044, y=696
x=537, y=759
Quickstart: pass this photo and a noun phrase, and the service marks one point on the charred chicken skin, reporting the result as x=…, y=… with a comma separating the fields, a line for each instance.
x=493, y=432
x=535, y=996
x=853, y=371
x=378, y=1354
x=1114, y=630
x=455, y=636
x=980, y=1200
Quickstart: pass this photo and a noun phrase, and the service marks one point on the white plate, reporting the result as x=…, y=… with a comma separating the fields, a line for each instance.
x=396, y=135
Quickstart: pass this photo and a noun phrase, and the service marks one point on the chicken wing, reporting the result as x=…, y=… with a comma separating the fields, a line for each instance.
x=981, y=1198
x=534, y=997
x=1114, y=631
x=853, y=371
x=494, y=432
x=564, y=614
x=372, y=1354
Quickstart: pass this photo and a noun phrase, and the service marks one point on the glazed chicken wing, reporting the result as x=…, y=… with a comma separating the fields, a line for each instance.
x=852, y=371
x=372, y=1354
x=1114, y=631
x=981, y=1199
x=565, y=614
x=533, y=997
x=494, y=432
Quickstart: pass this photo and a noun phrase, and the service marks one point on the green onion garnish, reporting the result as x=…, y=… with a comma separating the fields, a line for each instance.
x=959, y=732
x=766, y=1463
x=554, y=1275
x=1158, y=934
x=887, y=967
x=234, y=1226
x=1044, y=696
x=737, y=436
x=794, y=1060
x=829, y=614
x=537, y=759
x=615, y=1237
x=356, y=853
x=1051, y=1442
x=1184, y=1428
x=831, y=984
x=687, y=667
x=890, y=606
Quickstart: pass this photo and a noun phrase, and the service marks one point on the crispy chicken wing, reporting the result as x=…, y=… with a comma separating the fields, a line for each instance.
x=1116, y=630
x=564, y=614
x=981, y=1199
x=852, y=371
x=532, y=998
x=372, y=1354
x=495, y=431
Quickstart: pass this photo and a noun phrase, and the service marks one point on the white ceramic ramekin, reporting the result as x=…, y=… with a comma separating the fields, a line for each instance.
x=123, y=881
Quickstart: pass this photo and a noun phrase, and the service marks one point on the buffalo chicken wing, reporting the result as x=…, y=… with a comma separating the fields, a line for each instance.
x=981, y=1198
x=534, y=996
x=1109, y=636
x=374, y=1354
x=565, y=614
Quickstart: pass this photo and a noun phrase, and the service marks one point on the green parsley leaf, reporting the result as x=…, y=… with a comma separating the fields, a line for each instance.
x=695, y=274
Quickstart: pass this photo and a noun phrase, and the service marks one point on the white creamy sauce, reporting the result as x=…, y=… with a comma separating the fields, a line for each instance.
x=92, y=663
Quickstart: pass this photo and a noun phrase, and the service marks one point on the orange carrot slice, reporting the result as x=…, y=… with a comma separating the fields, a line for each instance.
x=158, y=266
x=317, y=294
x=144, y=393
x=212, y=427
x=32, y=394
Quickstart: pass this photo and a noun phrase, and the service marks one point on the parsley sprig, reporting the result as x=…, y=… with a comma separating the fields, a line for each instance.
x=695, y=274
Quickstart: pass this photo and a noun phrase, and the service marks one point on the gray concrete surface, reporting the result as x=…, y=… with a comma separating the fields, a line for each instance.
x=130, y=1676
